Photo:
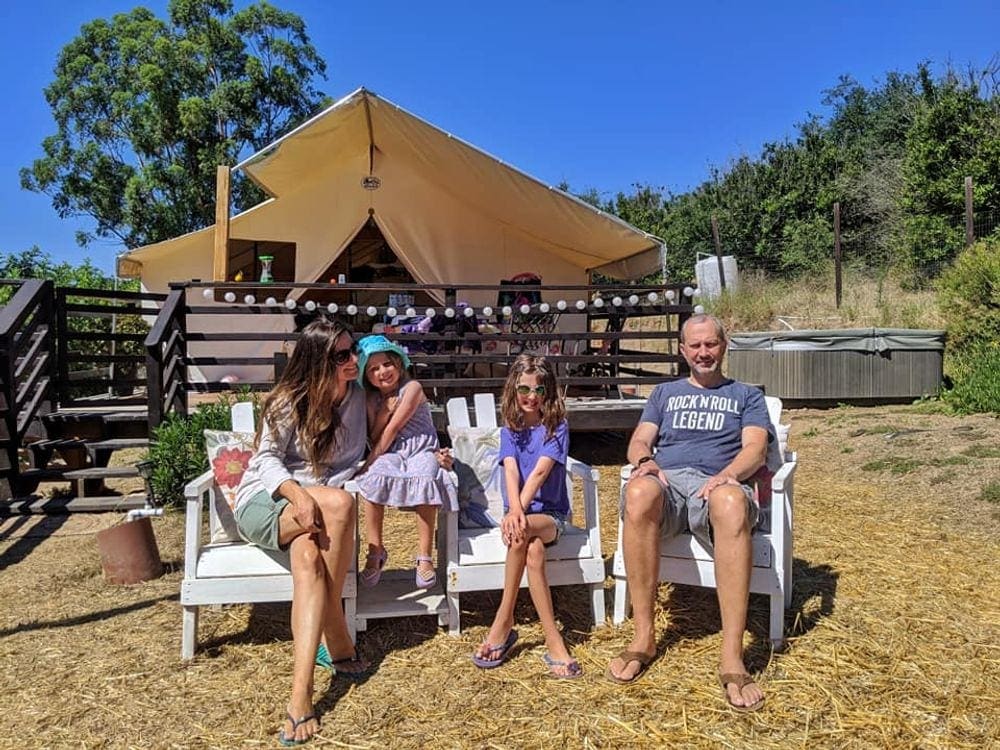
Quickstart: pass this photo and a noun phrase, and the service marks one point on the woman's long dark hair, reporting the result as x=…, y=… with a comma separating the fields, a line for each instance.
x=306, y=394
x=552, y=406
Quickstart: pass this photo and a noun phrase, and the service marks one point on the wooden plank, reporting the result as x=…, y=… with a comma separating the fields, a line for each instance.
x=59, y=505
x=220, y=263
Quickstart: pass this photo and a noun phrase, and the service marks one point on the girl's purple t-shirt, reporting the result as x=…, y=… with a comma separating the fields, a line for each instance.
x=526, y=447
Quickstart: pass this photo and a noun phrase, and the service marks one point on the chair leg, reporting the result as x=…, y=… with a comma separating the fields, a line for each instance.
x=454, y=621
x=597, y=602
x=351, y=615
x=189, y=632
x=623, y=606
x=777, y=621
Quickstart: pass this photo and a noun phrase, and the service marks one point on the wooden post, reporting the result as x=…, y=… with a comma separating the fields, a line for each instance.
x=220, y=266
x=970, y=231
x=718, y=252
x=838, y=279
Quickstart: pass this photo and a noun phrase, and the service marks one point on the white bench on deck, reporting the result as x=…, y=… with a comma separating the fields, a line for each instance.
x=241, y=573
x=475, y=557
x=684, y=560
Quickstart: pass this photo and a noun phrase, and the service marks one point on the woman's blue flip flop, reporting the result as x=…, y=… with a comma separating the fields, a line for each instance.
x=501, y=652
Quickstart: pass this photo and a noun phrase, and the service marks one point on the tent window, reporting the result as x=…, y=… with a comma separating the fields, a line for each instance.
x=244, y=259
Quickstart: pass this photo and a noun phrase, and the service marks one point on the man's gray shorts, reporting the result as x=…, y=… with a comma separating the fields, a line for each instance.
x=684, y=511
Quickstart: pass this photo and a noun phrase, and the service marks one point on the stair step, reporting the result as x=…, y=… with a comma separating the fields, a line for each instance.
x=51, y=445
x=58, y=505
x=95, y=472
x=115, y=444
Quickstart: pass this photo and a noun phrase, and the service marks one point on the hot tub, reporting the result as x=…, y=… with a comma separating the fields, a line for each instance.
x=857, y=365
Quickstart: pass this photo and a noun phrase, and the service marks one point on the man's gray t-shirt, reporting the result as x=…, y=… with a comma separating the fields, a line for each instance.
x=702, y=428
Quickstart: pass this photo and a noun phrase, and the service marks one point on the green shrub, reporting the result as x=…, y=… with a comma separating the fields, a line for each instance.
x=976, y=377
x=969, y=296
x=178, y=448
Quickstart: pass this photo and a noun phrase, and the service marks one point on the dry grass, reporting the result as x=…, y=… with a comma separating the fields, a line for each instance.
x=893, y=631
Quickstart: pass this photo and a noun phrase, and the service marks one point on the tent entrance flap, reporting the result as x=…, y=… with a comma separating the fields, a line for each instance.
x=367, y=259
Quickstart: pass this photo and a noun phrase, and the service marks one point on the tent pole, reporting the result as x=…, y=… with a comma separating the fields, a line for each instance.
x=220, y=265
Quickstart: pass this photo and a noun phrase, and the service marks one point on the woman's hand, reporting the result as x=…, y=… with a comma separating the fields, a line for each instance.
x=306, y=512
x=513, y=526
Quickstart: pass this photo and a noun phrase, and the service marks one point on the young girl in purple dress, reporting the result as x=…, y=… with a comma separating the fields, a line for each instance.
x=404, y=468
x=534, y=444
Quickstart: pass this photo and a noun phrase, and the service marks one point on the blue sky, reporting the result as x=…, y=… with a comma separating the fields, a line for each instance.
x=599, y=94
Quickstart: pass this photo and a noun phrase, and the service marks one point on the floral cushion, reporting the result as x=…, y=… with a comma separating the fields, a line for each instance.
x=229, y=453
x=480, y=476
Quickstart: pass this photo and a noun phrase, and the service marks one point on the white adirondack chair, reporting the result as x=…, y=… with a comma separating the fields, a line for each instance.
x=475, y=557
x=236, y=572
x=684, y=560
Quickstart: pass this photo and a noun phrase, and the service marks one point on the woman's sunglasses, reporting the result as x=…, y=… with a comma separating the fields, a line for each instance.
x=524, y=390
x=343, y=356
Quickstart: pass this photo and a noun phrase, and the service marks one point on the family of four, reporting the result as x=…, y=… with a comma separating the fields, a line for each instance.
x=698, y=442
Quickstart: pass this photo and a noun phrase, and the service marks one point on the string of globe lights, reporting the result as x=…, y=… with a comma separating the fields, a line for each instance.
x=632, y=301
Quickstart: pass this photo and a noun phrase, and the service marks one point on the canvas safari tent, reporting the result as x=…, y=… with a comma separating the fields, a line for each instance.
x=446, y=212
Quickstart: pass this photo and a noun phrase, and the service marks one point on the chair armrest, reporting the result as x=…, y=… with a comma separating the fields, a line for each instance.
x=585, y=471
x=784, y=475
x=591, y=507
x=197, y=492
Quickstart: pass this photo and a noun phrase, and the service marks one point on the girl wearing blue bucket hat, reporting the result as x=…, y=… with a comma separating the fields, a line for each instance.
x=403, y=469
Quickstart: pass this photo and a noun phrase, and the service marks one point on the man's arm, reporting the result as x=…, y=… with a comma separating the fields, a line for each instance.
x=640, y=446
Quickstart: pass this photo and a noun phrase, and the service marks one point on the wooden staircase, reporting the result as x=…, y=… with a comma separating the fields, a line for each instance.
x=76, y=454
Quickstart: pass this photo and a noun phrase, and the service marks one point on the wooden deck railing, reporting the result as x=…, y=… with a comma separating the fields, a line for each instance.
x=583, y=328
x=27, y=368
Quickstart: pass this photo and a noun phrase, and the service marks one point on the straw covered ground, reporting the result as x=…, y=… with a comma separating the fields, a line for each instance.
x=894, y=630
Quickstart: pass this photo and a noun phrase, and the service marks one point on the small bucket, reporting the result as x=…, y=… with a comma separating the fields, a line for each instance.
x=129, y=553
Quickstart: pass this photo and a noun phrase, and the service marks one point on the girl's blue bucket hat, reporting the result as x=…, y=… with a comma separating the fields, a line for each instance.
x=375, y=344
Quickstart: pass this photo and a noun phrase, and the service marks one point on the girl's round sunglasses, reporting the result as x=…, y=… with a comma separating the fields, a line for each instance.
x=524, y=390
x=343, y=356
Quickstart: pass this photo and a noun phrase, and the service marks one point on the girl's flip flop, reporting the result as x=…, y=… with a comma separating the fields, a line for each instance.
x=500, y=651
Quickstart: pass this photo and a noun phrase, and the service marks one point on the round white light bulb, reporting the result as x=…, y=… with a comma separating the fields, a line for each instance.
x=487, y=311
x=633, y=299
x=352, y=309
x=598, y=302
x=410, y=312
x=688, y=291
x=468, y=312
x=581, y=304
x=391, y=312
x=669, y=295
x=449, y=312
x=696, y=292
x=616, y=301
x=561, y=304
x=229, y=297
x=544, y=307
x=699, y=309
x=290, y=303
x=372, y=311
x=207, y=293
x=525, y=309
x=332, y=308
x=430, y=312
x=270, y=302
x=506, y=310
x=310, y=305
x=250, y=299
x=652, y=296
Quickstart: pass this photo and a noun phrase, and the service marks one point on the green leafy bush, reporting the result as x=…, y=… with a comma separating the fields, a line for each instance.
x=969, y=296
x=976, y=376
x=178, y=448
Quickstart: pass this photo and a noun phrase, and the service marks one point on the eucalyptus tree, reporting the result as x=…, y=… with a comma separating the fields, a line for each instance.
x=147, y=108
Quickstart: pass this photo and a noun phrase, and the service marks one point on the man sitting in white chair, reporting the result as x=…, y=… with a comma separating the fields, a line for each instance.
x=710, y=436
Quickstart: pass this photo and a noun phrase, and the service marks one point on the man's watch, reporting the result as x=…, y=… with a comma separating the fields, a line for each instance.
x=643, y=460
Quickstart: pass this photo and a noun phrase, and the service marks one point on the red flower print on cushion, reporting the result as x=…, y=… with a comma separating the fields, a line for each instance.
x=228, y=466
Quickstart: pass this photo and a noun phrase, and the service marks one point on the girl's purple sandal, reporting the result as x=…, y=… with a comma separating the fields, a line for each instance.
x=372, y=574
x=572, y=667
x=425, y=582
x=501, y=652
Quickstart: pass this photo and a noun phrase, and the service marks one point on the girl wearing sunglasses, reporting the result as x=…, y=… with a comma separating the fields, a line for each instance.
x=534, y=443
x=310, y=438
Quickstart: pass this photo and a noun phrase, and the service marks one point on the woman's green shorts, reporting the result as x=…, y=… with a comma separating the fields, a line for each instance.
x=257, y=519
